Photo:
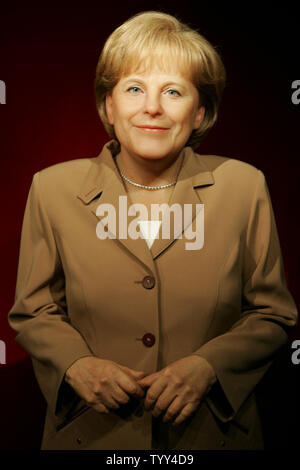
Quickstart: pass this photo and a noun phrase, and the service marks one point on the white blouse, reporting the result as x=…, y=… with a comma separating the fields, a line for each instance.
x=149, y=230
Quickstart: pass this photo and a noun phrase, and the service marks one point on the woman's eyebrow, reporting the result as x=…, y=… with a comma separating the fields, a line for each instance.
x=142, y=82
x=133, y=79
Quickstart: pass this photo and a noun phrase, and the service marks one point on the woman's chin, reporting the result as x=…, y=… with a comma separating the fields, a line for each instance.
x=153, y=152
x=152, y=156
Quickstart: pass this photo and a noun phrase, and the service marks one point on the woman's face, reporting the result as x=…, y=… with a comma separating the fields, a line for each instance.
x=154, y=113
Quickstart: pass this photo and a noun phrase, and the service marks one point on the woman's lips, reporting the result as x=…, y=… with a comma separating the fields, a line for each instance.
x=152, y=129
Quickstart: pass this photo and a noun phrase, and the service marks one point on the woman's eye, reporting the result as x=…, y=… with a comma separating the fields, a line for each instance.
x=134, y=90
x=173, y=92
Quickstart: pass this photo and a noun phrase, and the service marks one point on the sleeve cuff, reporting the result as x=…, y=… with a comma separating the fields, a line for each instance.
x=218, y=403
x=66, y=397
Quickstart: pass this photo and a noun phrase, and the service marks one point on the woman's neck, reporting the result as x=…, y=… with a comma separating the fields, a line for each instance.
x=147, y=171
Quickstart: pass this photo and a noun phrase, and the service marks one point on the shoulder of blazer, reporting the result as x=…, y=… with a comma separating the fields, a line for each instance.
x=215, y=162
x=228, y=169
x=68, y=167
x=66, y=176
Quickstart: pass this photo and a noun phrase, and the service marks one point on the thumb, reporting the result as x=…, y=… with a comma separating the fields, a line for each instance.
x=148, y=380
x=136, y=373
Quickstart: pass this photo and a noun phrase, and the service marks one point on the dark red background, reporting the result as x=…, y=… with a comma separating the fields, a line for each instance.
x=48, y=57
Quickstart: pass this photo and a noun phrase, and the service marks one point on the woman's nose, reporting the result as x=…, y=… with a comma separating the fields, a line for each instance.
x=153, y=103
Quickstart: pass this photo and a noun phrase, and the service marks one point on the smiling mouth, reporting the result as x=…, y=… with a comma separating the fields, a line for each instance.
x=152, y=128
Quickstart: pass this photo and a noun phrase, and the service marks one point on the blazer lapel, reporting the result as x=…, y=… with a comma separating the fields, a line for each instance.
x=193, y=174
x=103, y=185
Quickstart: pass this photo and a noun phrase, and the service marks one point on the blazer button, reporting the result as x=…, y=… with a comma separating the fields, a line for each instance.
x=148, y=339
x=148, y=282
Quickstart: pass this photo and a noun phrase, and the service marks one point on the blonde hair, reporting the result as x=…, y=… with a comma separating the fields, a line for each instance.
x=155, y=37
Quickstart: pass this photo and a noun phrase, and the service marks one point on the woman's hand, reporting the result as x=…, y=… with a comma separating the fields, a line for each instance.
x=103, y=384
x=178, y=389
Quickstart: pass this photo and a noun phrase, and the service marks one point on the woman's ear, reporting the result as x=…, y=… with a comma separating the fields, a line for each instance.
x=199, y=117
x=108, y=107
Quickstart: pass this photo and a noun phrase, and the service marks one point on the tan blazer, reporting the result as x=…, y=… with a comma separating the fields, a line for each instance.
x=78, y=295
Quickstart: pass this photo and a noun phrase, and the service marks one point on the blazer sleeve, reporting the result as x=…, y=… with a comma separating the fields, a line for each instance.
x=39, y=314
x=241, y=356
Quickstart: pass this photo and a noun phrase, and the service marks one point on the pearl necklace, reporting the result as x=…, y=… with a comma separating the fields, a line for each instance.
x=163, y=186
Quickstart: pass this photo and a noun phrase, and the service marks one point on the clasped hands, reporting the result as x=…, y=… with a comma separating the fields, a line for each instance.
x=173, y=393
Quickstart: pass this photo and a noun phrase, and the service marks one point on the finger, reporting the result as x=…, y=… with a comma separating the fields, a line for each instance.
x=185, y=413
x=130, y=385
x=135, y=373
x=163, y=402
x=174, y=409
x=109, y=401
x=105, y=396
x=154, y=392
x=149, y=379
x=120, y=396
x=100, y=408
